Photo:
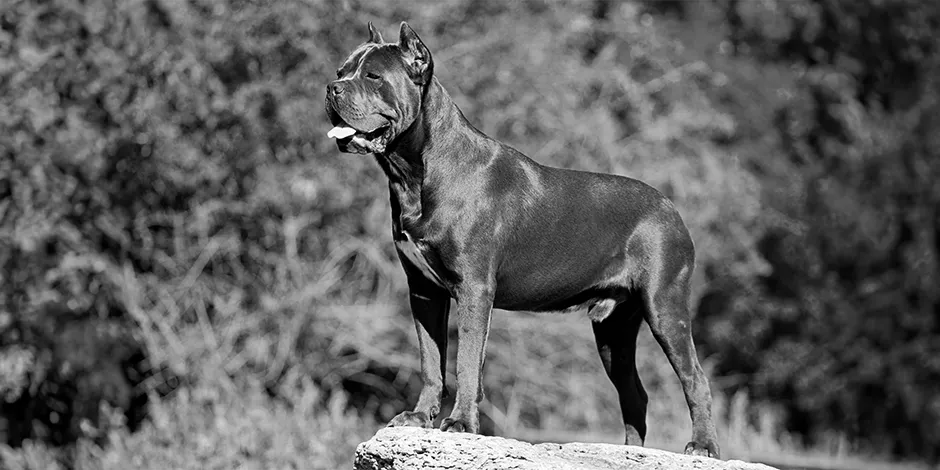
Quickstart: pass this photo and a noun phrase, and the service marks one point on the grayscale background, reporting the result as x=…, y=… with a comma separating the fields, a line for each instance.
x=192, y=276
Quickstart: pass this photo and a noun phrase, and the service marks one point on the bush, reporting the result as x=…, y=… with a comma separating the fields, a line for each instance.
x=846, y=316
x=175, y=226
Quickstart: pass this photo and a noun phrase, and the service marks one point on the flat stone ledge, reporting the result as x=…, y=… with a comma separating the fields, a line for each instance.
x=402, y=448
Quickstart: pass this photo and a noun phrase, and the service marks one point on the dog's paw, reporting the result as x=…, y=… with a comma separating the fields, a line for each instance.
x=706, y=449
x=458, y=425
x=418, y=419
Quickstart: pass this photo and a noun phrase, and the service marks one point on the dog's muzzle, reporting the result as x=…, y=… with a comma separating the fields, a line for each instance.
x=355, y=131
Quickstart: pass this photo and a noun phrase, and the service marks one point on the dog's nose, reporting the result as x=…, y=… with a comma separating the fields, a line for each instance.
x=337, y=87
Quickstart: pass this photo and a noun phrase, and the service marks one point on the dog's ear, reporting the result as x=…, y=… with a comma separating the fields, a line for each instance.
x=416, y=54
x=374, y=35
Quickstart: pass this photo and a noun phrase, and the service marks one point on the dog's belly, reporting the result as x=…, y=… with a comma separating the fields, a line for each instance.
x=561, y=282
x=593, y=258
x=560, y=301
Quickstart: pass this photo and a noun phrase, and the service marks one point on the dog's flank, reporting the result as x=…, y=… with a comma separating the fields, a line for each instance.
x=476, y=221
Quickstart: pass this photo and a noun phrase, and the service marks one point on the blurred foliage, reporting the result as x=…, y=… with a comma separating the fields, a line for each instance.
x=153, y=194
x=174, y=223
x=208, y=427
x=844, y=329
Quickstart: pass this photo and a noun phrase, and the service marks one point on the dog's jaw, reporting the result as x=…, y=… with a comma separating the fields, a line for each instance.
x=354, y=137
x=350, y=140
x=358, y=126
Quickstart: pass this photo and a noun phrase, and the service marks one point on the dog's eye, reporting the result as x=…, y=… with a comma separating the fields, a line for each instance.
x=339, y=73
x=372, y=76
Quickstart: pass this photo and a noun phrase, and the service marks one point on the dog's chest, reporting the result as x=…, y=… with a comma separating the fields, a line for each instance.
x=415, y=253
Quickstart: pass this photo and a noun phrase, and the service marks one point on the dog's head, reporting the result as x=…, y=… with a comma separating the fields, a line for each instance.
x=378, y=91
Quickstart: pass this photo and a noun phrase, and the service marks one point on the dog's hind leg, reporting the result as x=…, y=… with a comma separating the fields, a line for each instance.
x=668, y=316
x=616, y=342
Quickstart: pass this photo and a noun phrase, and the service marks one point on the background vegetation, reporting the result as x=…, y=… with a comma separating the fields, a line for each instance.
x=193, y=277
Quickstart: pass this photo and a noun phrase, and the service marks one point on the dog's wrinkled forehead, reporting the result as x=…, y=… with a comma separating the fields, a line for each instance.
x=372, y=58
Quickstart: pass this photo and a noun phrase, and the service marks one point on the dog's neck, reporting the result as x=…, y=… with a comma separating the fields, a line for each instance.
x=430, y=144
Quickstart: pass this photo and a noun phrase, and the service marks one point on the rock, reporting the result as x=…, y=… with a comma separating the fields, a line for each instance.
x=409, y=448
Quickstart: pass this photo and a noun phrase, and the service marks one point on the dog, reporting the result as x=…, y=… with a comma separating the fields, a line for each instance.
x=476, y=221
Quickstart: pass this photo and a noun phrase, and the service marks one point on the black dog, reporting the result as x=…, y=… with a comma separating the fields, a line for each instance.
x=479, y=222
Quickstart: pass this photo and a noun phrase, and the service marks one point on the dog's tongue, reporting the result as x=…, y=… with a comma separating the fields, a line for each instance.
x=340, y=132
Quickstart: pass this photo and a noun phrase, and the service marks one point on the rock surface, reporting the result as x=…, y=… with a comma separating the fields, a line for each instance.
x=403, y=448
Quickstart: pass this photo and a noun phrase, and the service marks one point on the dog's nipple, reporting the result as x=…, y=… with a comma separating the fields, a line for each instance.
x=340, y=132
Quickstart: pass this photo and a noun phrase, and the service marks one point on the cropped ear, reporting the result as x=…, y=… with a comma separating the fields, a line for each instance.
x=374, y=35
x=416, y=55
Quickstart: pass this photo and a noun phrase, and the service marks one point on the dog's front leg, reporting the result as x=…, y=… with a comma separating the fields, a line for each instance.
x=474, y=308
x=430, y=306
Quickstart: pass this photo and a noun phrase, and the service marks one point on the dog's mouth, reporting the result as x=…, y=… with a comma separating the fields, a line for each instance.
x=359, y=130
x=351, y=139
x=359, y=134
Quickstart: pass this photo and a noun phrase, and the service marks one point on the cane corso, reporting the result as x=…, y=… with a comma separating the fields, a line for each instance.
x=476, y=221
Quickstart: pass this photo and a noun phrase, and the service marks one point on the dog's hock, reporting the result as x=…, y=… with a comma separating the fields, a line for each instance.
x=401, y=448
